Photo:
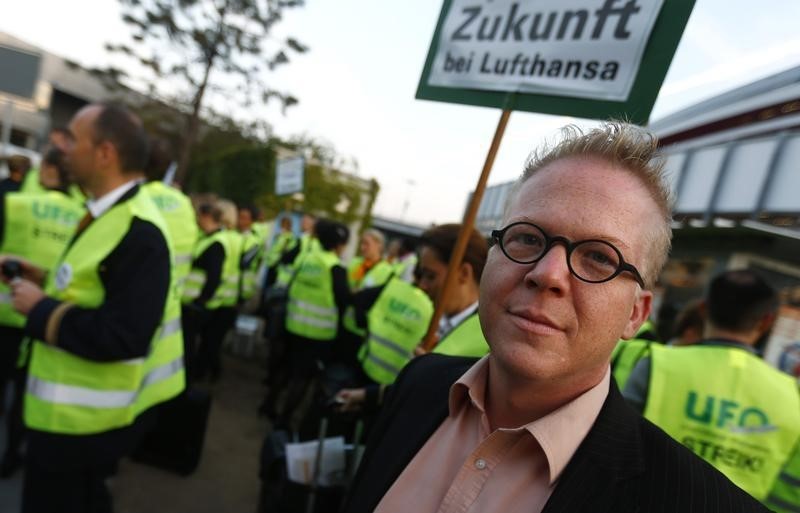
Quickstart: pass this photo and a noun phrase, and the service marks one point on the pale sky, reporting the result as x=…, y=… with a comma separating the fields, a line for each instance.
x=356, y=85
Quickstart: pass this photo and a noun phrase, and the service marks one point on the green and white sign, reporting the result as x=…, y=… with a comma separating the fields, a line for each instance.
x=588, y=58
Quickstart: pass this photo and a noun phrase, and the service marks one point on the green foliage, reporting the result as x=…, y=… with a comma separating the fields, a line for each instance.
x=241, y=174
x=247, y=175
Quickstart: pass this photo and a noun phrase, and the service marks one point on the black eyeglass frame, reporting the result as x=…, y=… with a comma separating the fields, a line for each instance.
x=552, y=240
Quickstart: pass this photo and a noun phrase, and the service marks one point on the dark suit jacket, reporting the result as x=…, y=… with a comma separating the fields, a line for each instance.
x=624, y=464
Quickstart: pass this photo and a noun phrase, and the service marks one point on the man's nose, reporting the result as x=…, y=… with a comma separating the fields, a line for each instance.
x=551, y=271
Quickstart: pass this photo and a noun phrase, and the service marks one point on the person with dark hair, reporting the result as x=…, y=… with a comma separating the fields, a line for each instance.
x=317, y=297
x=36, y=226
x=718, y=397
x=53, y=174
x=18, y=167
x=687, y=330
x=33, y=183
x=205, y=290
x=406, y=259
x=459, y=330
x=538, y=425
x=101, y=356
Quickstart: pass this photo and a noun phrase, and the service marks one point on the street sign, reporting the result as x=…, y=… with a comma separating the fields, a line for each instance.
x=586, y=58
x=19, y=71
x=289, y=176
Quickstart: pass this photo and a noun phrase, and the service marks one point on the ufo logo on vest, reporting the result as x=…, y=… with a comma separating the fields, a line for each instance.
x=63, y=276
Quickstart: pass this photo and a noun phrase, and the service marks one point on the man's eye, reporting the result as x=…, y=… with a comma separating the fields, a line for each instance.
x=526, y=239
x=599, y=257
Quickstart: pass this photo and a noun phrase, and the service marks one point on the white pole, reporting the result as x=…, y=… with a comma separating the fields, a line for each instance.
x=8, y=119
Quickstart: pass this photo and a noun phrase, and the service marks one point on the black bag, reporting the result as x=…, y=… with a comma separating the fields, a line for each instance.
x=176, y=442
x=280, y=495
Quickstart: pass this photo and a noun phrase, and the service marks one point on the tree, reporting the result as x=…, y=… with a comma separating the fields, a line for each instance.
x=190, y=48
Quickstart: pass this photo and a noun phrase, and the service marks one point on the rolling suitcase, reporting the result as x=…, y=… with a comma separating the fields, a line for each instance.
x=176, y=442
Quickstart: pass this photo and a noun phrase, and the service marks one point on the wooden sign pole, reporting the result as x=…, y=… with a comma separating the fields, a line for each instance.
x=429, y=342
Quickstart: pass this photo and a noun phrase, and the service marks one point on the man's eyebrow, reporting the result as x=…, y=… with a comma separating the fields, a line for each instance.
x=620, y=244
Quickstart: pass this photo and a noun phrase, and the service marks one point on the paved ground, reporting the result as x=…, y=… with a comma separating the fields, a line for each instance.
x=227, y=478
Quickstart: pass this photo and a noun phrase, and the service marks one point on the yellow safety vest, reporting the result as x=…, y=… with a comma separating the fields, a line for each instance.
x=253, y=248
x=196, y=279
x=38, y=228
x=311, y=310
x=729, y=407
x=627, y=353
x=69, y=394
x=395, y=325
x=178, y=213
x=308, y=244
x=466, y=339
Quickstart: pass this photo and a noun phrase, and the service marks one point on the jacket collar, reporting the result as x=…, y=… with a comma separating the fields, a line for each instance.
x=610, y=453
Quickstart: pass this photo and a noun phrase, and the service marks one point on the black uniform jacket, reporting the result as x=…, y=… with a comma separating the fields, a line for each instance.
x=624, y=464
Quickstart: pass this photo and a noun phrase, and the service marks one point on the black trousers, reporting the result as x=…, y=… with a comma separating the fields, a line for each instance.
x=193, y=322
x=208, y=361
x=10, y=342
x=67, y=473
x=81, y=490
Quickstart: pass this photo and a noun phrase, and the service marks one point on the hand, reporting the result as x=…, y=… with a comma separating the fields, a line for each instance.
x=29, y=271
x=419, y=350
x=351, y=399
x=25, y=295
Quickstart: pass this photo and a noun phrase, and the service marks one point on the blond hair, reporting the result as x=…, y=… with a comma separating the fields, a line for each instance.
x=375, y=235
x=229, y=213
x=636, y=151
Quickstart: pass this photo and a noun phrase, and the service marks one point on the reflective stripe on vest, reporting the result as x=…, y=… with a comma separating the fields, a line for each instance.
x=729, y=407
x=386, y=366
x=186, y=258
x=785, y=494
x=58, y=393
x=466, y=339
x=69, y=394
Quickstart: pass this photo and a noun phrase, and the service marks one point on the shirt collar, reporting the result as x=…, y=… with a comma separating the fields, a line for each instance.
x=448, y=323
x=99, y=206
x=559, y=433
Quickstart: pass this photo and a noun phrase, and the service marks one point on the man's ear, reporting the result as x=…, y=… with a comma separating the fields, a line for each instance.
x=107, y=153
x=465, y=273
x=766, y=322
x=642, y=306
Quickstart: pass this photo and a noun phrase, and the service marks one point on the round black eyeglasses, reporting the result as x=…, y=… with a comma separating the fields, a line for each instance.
x=592, y=261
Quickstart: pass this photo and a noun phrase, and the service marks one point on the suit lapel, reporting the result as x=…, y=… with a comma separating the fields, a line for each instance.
x=610, y=453
x=421, y=408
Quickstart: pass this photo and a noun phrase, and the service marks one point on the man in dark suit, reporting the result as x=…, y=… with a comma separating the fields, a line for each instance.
x=538, y=425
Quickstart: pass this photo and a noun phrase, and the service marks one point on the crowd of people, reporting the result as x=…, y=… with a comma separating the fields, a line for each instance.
x=547, y=388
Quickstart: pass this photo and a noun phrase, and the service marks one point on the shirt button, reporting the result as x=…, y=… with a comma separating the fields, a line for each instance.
x=480, y=464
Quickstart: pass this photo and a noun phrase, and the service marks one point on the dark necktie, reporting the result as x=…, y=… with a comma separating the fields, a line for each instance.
x=84, y=222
